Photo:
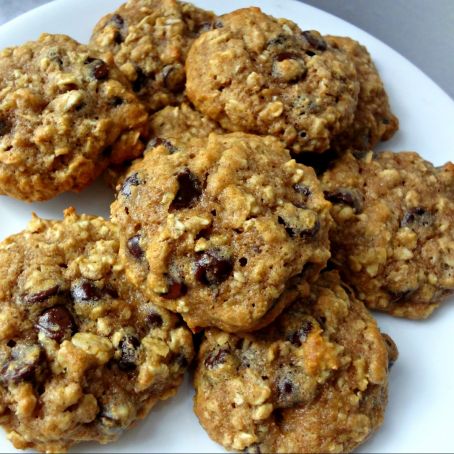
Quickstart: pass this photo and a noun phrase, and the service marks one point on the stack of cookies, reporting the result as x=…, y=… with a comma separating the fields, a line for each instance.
x=253, y=228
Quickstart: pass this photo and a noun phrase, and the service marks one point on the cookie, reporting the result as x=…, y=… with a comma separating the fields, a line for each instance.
x=65, y=114
x=149, y=40
x=82, y=353
x=315, y=380
x=374, y=120
x=216, y=231
x=393, y=237
x=255, y=73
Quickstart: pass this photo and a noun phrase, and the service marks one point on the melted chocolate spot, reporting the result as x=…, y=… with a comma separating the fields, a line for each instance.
x=85, y=290
x=134, y=247
x=56, y=323
x=154, y=320
x=315, y=40
x=189, y=190
x=42, y=296
x=351, y=197
x=22, y=364
x=176, y=289
x=212, y=268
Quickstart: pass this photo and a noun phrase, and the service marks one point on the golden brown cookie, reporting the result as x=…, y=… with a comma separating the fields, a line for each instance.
x=315, y=380
x=65, y=114
x=83, y=354
x=149, y=40
x=255, y=73
x=215, y=230
x=393, y=238
x=374, y=120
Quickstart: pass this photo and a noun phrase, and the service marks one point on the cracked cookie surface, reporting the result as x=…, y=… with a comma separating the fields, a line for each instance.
x=258, y=74
x=315, y=380
x=216, y=230
x=394, y=229
x=149, y=40
x=373, y=121
x=82, y=353
x=65, y=114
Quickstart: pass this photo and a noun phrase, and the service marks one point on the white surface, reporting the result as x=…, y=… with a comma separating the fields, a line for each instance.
x=420, y=412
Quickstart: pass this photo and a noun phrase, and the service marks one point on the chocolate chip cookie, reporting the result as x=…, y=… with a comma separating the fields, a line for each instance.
x=149, y=40
x=373, y=121
x=82, y=353
x=216, y=230
x=315, y=380
x=65, y=114
x=255, y=73
x=393, y=237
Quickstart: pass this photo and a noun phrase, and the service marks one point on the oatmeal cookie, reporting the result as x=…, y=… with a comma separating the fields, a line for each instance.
x=149, y=40
x=394, y=229
x=83, y=354
x=255, y=73
x=315, y=380
x=216, y=231
x=65, y=114
x=373, y=121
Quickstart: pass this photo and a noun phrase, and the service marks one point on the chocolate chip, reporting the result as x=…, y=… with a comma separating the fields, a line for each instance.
x=154, y=320
x=302, y=189
x=212, y=267
x=176, y=289
x=11, y=343
x=315, y=40
x=117, y=20
x=243, y=261
x=140, y=80
x=156, y=141
x=131, y=180
x=134, y=246
x=417, y=217
x=320, y=162
x=116, y=101
x=128, y=353
x=189, y=190
x=98, y=68
x=5, y=126
x=346, y=196
x=84, y=290
x=22, y=364
x=56, y=323
x=216, y=357
x=299, y=336
x=174, y=77
x=42, y=296
x=294, y=232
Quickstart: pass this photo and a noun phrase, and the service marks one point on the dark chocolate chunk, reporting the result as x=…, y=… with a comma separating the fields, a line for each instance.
x=140, y=80
x=85, y=290
x=189, y=190
x=212, y=267
x=131, y=180
x=56, y=323
x=21, y=366
x=347, y=196
x=128, y=353
x=315, y=40
x=134, y=247
x=98, y=68
x=176, y=289
x=216, y=357
x=42, y=296
x=417, y=217
x=154, y=320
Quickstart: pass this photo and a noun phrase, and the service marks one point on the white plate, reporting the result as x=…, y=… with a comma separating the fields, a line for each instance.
x=420, y=412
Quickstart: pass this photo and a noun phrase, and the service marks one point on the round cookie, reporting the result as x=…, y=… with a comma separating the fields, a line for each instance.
x=215, y=230
x=149, y=40
x=373, y=120
x=315, y=380
x=393, y=237
x=255, y=73
x=65, y=114
x=82, y=353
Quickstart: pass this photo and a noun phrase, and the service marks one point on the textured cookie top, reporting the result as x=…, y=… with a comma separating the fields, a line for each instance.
x=394, y=232
x=258, y=74
x=64, y=115
x=373, y=119
x=149, y=40
x=215, y=230
x=315, y=380
x=182, y=124
x=82, y=353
